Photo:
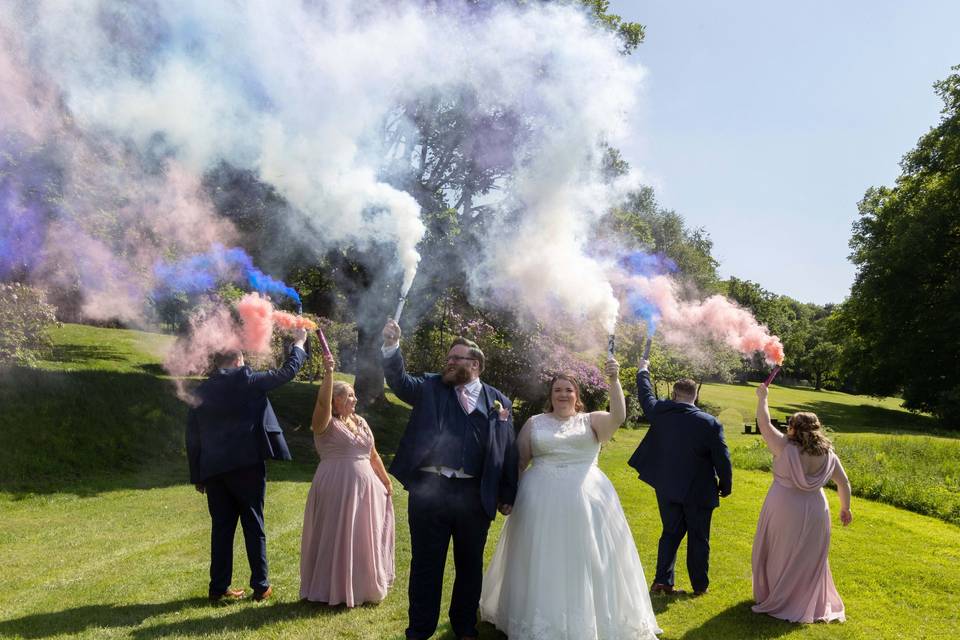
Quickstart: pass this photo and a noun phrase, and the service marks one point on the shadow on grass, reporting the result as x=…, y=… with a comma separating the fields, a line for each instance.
x=85, y=354
x=243, y=616
x=100, y=616
x=738, y=621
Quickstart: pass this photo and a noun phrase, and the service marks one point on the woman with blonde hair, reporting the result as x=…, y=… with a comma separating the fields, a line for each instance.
x=347, y=546
x=791, y=572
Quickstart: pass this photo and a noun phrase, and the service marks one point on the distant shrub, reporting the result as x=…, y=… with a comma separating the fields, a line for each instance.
x=25, y=316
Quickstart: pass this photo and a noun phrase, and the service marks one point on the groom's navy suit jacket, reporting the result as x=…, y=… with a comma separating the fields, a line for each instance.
x=234, y=426
x=684, y=455
x=429, y=396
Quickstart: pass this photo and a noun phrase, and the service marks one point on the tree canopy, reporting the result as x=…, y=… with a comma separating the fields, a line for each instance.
x=904, y=308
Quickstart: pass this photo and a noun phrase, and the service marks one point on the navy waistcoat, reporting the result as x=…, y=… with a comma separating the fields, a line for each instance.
x=462, y=442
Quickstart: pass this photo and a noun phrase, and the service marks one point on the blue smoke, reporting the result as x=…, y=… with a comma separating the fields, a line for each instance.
x=203, y=272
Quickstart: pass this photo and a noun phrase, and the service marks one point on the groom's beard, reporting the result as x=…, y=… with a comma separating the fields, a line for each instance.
x=456, y=375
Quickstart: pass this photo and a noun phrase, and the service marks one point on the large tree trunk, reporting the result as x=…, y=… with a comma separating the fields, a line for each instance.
x=369, y=382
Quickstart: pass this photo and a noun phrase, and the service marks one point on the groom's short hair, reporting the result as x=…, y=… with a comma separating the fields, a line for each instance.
x=685, y=388
x=227, y=358
x=475, y=351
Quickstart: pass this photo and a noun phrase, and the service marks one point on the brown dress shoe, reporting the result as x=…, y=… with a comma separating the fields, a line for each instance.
x=229, y=594
x=263, y=595
x=665, y=589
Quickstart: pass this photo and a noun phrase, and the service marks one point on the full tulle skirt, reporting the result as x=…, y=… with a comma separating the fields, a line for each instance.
x=566, y=566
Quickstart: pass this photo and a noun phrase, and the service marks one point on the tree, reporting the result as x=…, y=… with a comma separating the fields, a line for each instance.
x=904, y=305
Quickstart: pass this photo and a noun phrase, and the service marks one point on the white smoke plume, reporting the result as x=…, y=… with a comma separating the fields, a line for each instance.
x=298, y=93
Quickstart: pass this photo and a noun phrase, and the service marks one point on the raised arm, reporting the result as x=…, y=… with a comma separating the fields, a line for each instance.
x=323, y=409
x=645, y=389
x=406, y=387
x=605, y=423
x=843, y=490
x=269, y=380
x=775, y=440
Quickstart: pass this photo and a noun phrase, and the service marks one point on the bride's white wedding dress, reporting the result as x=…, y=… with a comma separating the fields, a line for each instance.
x=566, y=566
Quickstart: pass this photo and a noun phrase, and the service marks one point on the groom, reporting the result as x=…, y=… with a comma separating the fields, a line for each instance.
x=458, y=461
x=684, y=457
x=230, y=433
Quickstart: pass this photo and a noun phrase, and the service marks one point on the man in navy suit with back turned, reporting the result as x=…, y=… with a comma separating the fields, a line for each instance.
x=230, y=433
x=684, y=457
x=458, y=461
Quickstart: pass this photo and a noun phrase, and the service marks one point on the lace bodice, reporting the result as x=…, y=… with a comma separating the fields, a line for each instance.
x=562, y=442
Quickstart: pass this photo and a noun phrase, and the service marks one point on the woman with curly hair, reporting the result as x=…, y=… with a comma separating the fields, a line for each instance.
x=791, y=573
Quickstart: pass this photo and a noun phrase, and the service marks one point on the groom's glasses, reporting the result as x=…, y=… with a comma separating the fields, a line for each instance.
x=459, y=358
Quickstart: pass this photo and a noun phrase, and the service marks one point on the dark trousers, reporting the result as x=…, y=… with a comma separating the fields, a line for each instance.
x=678, y=520
x=231, y=496
x=441, y=509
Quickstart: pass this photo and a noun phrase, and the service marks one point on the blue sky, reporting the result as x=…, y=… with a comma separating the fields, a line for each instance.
x=764, y=122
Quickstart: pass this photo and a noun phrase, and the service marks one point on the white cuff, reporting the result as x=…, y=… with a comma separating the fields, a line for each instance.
x=389, y=351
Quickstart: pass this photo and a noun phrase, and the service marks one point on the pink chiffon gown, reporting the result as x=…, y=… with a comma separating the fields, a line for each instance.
x=347, y=548
x=791, y=572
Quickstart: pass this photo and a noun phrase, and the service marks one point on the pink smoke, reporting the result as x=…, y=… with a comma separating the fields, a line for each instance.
x=256, y=315
x=716, y=317
x=289, y=321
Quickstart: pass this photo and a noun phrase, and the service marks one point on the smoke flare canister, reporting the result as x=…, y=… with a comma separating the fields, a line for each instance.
x=773, y=374
x=396, y=315
x=646, y=349
x=323, y=341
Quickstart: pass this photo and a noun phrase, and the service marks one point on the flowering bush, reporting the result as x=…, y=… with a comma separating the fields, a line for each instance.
x=25, y=316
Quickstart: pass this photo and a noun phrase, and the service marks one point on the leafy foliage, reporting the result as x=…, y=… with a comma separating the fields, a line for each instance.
x=25, y=317
x=904, y=307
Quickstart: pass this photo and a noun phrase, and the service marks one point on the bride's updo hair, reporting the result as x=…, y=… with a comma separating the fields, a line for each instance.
x=570, y=377
x=807, y=433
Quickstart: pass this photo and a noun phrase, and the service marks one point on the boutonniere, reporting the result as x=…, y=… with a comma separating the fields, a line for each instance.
x=502, y=413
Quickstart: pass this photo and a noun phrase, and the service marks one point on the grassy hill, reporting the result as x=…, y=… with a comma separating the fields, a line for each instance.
x=103, y=538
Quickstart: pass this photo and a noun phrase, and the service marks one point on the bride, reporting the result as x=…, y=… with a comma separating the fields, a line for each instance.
x=566, y=566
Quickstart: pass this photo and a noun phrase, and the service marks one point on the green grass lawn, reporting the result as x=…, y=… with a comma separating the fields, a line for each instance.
x=117, y=546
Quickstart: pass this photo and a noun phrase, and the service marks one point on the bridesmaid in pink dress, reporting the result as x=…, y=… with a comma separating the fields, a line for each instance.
x=347, y=548
x=791, y=573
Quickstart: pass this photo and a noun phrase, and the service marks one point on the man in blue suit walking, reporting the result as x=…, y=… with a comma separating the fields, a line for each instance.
x=230, y=433
x=458, y=461
x=684, y=457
